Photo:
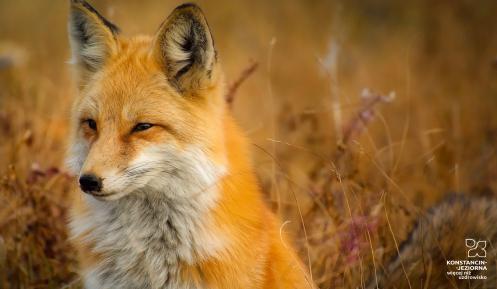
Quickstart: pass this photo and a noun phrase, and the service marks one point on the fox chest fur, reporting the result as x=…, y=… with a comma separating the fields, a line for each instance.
x=144, y=241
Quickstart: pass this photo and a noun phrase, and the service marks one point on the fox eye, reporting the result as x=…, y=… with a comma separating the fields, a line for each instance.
x=91, y=123
x=142, y=126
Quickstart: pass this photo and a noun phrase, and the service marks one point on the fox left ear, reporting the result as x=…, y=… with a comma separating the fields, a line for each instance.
x=185, y=48
x=92, y=37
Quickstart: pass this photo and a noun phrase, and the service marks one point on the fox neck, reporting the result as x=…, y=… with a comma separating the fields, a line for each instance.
x=151, y=233
x=153, y=217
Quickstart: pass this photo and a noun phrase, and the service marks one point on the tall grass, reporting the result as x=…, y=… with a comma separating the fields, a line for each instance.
x=348, y=170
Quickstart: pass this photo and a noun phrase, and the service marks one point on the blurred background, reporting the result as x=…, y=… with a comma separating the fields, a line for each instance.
x=361, y=114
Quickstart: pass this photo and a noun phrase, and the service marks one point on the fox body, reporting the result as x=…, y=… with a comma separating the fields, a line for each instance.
x=171, y=198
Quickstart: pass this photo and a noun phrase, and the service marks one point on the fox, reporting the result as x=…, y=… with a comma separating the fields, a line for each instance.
x=459, y=228
x=169, y=196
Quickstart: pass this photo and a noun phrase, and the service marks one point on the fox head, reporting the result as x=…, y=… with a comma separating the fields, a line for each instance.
x=149, y=111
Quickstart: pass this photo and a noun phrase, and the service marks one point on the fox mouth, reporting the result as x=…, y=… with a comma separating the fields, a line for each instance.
x=98, y=195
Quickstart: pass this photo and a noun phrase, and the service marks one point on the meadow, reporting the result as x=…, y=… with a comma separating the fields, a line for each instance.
x=362, y=115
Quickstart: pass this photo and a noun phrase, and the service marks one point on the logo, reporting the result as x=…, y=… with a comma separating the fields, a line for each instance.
x=472, y=268
x=476, y=248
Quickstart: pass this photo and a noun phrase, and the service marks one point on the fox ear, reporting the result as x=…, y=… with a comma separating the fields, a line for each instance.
x=185, y=48
x=92, y=37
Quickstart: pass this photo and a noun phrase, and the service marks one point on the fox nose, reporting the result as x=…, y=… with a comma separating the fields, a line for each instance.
x=90, y=183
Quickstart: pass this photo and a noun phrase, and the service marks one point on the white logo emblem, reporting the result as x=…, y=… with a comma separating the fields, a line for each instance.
x=476, y=248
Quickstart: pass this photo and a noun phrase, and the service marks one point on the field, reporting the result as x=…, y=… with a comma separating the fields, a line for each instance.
x=362, y=115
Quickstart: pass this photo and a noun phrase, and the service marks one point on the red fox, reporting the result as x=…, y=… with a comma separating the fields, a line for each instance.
x=171, y=198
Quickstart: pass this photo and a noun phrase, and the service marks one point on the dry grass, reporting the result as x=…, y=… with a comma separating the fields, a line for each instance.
x=348, y=170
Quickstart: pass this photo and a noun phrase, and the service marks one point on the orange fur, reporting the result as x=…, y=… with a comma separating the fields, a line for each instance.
x=265, y=257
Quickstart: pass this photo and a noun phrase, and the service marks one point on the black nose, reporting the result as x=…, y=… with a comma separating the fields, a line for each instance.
x=90, y=183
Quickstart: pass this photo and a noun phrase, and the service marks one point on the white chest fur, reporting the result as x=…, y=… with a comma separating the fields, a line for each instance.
x=143, y=241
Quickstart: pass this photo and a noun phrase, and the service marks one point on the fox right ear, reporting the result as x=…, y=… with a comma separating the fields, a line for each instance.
x=185, y=48
x=92, y=37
